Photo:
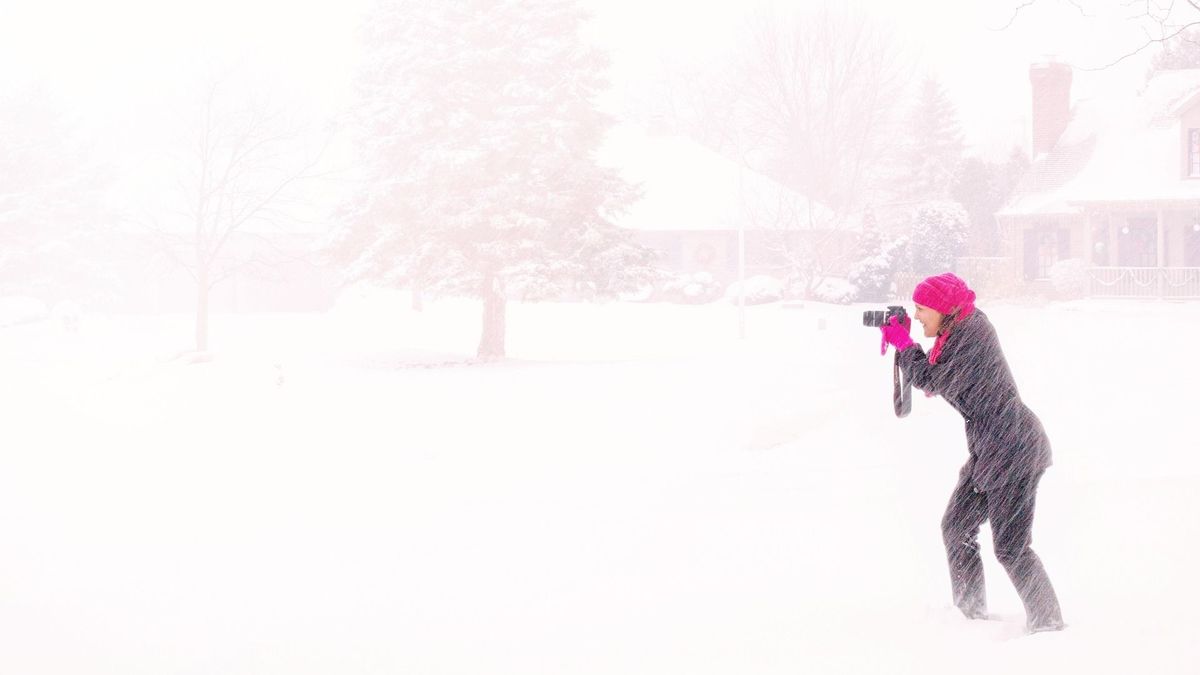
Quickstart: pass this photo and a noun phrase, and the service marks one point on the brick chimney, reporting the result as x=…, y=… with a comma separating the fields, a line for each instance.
x=1051, y=82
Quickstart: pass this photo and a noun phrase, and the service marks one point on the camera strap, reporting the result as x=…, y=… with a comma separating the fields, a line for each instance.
x=901, y=389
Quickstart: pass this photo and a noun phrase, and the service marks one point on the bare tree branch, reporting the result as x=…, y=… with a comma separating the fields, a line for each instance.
x=1016, y=12
x=1149, y=42
x=166, y=244
x=1082, y=12
x=240, y=218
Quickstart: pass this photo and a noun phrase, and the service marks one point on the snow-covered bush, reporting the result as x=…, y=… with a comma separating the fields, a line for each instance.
x=66, y=313
x=17, y=310
x=836, y=291
x=939, y=235
x=1069, y=278
x=759, y=289
x=795, y=287
x=642, y=293
x=692, y=289
x=872, y=275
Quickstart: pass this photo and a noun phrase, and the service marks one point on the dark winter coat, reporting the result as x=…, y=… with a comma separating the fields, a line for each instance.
x=1005, y=439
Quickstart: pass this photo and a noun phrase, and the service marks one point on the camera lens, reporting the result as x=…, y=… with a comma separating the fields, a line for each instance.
x=873, y=318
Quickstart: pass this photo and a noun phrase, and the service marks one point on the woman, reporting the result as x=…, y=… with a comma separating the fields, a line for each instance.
x=1008, y=448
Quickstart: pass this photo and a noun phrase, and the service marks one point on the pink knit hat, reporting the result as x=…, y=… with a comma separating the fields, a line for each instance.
x=947, y=294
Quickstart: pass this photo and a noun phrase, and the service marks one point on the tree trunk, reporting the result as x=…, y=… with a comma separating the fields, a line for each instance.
x=202, y=314
x=418, y=301
x=491, y=342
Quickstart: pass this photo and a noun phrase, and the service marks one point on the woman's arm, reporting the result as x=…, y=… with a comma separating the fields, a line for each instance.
x=963, y=361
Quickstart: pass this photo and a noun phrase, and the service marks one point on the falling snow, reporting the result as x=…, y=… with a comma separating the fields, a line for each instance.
x=635, y=490
x=277, y=397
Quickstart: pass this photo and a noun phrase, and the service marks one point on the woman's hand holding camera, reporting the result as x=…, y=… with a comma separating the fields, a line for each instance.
x=896, y=334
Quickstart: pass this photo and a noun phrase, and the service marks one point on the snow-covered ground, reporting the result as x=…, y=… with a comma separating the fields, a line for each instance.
x=635, y=490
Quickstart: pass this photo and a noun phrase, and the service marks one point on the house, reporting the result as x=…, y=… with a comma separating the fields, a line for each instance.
x=275, y=271
x=1114, y=184
x=695, y=203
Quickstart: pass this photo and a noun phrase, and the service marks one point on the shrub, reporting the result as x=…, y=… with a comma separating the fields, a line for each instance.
x=1069, y=278
x=835, y=290
x=759, y=289
x=692, y=289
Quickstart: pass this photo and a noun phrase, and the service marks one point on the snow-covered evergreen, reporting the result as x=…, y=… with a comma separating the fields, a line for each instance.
x=934, y=148
x=875, y=263
x=479, y=126
x=982, y=186
x=939, y=235
x=49, y=197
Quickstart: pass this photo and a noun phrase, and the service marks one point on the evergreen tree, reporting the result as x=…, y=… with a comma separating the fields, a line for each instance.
x=49, y=193
x=874, y=263
x=934, y=148
x=478, y=134
x=869, y=241
x=982, y=188
x=1010, y=174
x=977, y=190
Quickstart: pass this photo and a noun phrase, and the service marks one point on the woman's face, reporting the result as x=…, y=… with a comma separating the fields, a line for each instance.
x=930, y=318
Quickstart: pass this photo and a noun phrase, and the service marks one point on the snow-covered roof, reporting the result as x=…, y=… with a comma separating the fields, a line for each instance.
x=1115, y=149
x=687, y=187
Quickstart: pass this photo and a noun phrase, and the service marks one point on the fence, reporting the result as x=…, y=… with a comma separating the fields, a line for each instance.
x=1177, y=283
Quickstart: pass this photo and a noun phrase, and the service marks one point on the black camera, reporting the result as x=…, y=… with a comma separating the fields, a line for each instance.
x=876, y=318
x=901, y=387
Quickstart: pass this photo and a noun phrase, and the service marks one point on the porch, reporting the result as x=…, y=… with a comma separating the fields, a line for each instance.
x=1128, y=250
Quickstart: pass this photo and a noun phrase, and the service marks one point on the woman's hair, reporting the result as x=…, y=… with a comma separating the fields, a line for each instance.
x=948, y=321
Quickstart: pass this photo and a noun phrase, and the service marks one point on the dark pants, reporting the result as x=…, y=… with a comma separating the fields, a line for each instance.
x=1009, y=509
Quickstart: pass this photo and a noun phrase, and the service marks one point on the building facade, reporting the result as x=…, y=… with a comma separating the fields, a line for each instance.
x=1114, y=186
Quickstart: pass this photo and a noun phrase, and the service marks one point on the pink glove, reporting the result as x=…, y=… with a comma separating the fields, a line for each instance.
x=896, y=334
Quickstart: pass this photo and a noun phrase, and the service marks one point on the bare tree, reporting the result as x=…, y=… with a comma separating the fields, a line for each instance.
x=809, y=100
x=1159, y=22
x=819, y=89
x=239, y=170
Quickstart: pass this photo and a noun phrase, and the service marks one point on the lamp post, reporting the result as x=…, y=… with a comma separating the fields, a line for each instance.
x=741, y=278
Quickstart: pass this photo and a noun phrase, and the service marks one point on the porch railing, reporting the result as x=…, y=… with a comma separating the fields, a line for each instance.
x=1145, y=282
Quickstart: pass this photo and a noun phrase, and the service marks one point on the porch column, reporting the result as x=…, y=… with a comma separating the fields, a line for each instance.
x=1088, y=254
x=1113, y=244
x=1161, y=253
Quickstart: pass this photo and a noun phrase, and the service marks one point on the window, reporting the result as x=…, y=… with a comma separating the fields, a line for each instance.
x=1045, y=246
x=1194, y=153
x=1137, y=243
x=1191, y=245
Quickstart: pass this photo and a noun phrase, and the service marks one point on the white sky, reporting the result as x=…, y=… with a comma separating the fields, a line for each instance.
x=117, y=57
x=984, y=70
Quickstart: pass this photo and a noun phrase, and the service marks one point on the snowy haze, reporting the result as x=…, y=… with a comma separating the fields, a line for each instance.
x=636, y=491
x=113, y=59
x=338, y=486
